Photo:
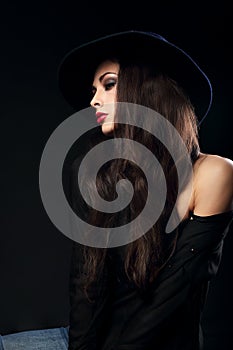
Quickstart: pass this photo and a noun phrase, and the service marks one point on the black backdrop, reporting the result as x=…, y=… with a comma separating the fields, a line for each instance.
x=34, y=257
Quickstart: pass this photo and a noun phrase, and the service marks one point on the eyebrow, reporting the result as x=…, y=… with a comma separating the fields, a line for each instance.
x=103, y=75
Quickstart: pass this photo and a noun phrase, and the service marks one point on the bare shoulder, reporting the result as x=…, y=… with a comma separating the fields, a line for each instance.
x=209, y=168
x=213, y=184
x=214, y=163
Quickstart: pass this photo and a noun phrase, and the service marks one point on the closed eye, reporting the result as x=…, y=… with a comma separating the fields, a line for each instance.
x=109, y=85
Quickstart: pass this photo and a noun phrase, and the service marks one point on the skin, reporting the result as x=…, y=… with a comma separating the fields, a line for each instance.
x=212, y=175
x=104, y=93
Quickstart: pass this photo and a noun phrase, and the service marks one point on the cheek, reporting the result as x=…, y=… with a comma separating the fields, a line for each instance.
x=112, y=109
x=115, y=93
x=112, y=96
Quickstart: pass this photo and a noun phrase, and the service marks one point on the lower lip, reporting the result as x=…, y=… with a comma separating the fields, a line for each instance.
x=100, y=119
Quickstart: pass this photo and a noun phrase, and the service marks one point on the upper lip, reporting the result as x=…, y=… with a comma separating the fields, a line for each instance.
x=100, y=114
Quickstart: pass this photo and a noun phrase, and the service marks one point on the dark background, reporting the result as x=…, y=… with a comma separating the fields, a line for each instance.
x=34, y=258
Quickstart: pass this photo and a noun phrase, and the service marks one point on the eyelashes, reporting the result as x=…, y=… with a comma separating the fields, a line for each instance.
x=108, y=85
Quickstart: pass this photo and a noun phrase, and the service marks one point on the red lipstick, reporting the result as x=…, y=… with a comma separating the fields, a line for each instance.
x=100, y=116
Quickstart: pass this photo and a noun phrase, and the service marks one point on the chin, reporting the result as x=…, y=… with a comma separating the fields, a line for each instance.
x=107, y=128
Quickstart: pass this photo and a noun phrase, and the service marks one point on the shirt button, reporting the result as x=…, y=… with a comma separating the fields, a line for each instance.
x=192, y=250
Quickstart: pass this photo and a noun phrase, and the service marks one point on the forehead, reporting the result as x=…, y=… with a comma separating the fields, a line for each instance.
x=106, y=66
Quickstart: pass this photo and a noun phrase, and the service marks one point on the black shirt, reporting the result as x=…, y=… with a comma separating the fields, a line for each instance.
x=169, y=317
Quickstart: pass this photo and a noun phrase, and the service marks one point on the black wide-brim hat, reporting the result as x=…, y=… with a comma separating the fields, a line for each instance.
x=76, y=71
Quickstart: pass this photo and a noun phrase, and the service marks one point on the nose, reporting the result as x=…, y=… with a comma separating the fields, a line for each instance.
x=96, y=101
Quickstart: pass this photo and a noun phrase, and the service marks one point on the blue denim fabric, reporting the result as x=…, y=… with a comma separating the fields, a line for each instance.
x=42, y=339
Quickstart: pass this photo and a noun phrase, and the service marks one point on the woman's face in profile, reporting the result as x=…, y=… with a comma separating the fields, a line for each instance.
x=104, y=94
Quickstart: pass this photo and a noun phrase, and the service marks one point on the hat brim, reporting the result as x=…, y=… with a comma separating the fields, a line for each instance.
x=76, y=71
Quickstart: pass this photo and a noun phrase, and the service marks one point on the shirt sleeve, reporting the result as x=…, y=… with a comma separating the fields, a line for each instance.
x=87, y=315
x=194, y=262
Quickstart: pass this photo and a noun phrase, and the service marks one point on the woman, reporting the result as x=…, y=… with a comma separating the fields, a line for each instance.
x=149, y=292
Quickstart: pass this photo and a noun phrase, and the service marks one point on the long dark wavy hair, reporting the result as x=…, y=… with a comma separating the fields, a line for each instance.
x=144, y=258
